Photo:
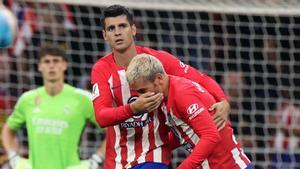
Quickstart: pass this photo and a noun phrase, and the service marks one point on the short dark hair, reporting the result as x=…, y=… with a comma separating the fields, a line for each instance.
x=114, y=11
x=51, y=49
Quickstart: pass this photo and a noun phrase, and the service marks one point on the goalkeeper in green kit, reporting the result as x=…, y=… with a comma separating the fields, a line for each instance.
x=55, y=116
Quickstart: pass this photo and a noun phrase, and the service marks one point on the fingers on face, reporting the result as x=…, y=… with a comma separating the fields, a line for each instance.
x=221, y=126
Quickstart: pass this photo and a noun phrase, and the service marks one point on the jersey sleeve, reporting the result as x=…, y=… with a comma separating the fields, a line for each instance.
x=105, y=112
x=193, y=112
x=17, y=119
x=174, y=66
x=87, y=105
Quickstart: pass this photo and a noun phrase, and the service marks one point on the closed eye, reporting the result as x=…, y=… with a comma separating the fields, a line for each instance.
x=141, y=91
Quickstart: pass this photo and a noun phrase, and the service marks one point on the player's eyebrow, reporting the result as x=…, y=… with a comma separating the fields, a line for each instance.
x=110, y=27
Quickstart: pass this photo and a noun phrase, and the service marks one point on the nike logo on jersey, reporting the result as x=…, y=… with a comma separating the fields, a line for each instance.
x=115, y=87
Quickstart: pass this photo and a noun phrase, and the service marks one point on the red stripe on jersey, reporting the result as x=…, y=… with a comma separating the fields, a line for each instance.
x=110, y=141
x=123, y=146
x=138, y=145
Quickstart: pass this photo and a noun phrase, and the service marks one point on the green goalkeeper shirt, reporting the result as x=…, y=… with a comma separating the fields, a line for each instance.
x=54, y=125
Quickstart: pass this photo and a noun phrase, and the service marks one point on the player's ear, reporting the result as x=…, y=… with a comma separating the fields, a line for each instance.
x=39, y=66
x=65, y=66
x=104, y=34
x=133, y=27
x=159, y=77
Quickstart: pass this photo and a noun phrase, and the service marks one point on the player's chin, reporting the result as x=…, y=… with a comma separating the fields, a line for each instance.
x=121, y=47
x=53, y=80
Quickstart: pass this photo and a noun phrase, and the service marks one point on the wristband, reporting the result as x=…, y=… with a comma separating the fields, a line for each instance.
x=11, y=154
x=98, y=157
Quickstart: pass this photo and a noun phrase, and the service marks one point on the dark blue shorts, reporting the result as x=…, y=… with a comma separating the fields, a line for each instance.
x=150, y=165
x=250, y=166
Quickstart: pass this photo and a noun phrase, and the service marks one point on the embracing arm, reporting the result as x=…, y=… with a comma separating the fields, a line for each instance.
x=174, y=66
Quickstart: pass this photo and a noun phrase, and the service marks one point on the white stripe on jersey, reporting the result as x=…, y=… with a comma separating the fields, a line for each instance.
x=145, y=143
x=117, y=130
x=236, y=156
x=125, y=89
x=110, y=82
x=186, y=129
x=242, y=152
x=158, y=142
x=124, y=86
x=234, y=139
x=130, y=146
x=117, y=147
x=205, y=165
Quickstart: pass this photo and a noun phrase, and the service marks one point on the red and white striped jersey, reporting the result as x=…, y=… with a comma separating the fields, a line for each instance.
x=187, y=115
x=135, y=139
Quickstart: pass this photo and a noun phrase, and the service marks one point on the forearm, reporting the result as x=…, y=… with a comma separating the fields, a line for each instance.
x=201, y=151
x=9, y=139
x=113, y=115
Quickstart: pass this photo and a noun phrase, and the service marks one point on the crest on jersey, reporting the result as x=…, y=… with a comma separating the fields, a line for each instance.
x=96, y=92
x=138, y=120
x=37, y=103
x=66, y=110
x=139, y=114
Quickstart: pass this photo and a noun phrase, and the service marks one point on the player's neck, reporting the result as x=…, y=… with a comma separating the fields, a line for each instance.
x=122, y=58
x=54, y=88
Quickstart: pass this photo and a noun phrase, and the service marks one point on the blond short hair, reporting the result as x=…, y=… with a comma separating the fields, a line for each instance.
x=144, y=65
